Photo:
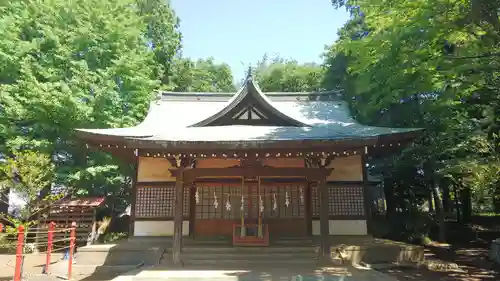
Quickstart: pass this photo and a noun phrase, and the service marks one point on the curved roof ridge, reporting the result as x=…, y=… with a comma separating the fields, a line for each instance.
x=250, y=98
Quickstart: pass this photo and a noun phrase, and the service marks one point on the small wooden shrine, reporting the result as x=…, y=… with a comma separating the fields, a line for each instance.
x=80, y=210
x=249, y=166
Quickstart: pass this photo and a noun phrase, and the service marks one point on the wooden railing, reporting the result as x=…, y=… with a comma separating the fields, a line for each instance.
x=252, y=237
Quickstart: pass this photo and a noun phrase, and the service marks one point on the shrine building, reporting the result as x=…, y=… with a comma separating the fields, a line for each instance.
x=249, y=166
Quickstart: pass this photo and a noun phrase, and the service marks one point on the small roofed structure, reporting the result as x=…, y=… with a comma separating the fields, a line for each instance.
x=81, y=210
x=251, y=166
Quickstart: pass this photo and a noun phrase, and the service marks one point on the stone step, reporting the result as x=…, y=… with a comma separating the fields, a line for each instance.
x=189, y=241
x=60, y=268
x=292, y=241
x=248, y=256
x=118, y=257
x=269, y=250
x=121, y=247
x=247, y=263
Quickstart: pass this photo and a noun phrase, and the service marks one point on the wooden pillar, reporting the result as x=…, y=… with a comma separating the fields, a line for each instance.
x=308, y=208
x=367, y=198
x=178, y=208
x=133, y=196
x=323, y=220
x=192, y=209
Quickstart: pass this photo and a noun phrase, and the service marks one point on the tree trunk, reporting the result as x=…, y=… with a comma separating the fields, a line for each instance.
x=430, y=200
x=466, y=204
x=439, y=213
x=389, y=199
x=496, y=200
x=445, y=186
x=4, y=200
x=457, y=205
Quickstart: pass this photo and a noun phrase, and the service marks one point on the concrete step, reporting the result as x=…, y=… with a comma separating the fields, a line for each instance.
x=118, y=255
x=248, y=256
x=292, y=242
x=249, y=250
x=293, y=239
x=247, y=263
x=225, y=241
x=135, y=246
x=60, y=268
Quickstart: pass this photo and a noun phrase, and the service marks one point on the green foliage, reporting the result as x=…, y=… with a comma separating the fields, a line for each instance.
x=89, y=64
x=7, y=244
x=428, y=64
x=80, y=64
x=413, y=226
x=200, y=76
x=280, y=75
x=16, y=223
x=29, y=174
x=162, y=33
x=112, y=237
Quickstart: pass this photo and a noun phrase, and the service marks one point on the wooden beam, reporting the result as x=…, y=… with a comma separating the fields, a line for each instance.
x=324, y=221
x=249, y=146
x=312, y=174
x=178, y=208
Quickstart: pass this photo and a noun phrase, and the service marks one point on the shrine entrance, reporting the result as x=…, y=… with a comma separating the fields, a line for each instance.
x=280, y=206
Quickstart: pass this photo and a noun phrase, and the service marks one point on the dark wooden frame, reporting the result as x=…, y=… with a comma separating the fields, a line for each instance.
x=366, y=194
x=250, y=240
x=185, y=175
x=312, y=174
x=134, y=197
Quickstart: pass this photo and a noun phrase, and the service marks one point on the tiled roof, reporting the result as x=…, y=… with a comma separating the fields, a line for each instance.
x=171, y=118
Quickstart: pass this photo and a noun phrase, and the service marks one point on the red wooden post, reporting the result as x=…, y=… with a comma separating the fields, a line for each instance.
x=19, y=253
x=1, y=227
x=50, y=239
x=72, y=239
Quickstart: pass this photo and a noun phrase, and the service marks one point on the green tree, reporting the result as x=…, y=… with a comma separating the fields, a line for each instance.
x=430, y=64
x=28, y=173
x=74, y=64
x=281, y=75
x=203, y=75
x=163, y=36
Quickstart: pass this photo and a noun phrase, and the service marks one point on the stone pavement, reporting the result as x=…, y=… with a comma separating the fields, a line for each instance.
x=33, y=266
x=261, y=274
x=34, y=263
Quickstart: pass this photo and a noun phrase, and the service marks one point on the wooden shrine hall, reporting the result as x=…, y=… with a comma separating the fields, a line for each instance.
x=249, y=166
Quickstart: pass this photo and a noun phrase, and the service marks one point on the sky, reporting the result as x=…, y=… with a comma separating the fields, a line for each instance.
x=240, y=32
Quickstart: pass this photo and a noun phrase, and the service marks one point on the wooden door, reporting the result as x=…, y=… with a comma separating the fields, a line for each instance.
x=285, y=219
x=282, y=220
x=219, y=207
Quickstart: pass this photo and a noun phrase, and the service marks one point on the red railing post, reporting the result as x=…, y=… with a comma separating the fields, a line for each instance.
x=72, y=241
x=50, y=239
x=19, y=253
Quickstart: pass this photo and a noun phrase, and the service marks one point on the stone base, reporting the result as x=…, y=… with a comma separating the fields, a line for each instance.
x=494, y=253
x=368, y=250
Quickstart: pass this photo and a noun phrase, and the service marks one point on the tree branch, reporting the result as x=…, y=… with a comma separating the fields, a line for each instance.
x=476, y=57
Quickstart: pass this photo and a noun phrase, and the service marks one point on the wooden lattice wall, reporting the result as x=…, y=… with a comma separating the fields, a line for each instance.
x=344, y=201
x=157, y=202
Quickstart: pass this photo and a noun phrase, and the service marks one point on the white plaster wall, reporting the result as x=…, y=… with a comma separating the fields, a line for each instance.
x=342, y=227
x=158, y=228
